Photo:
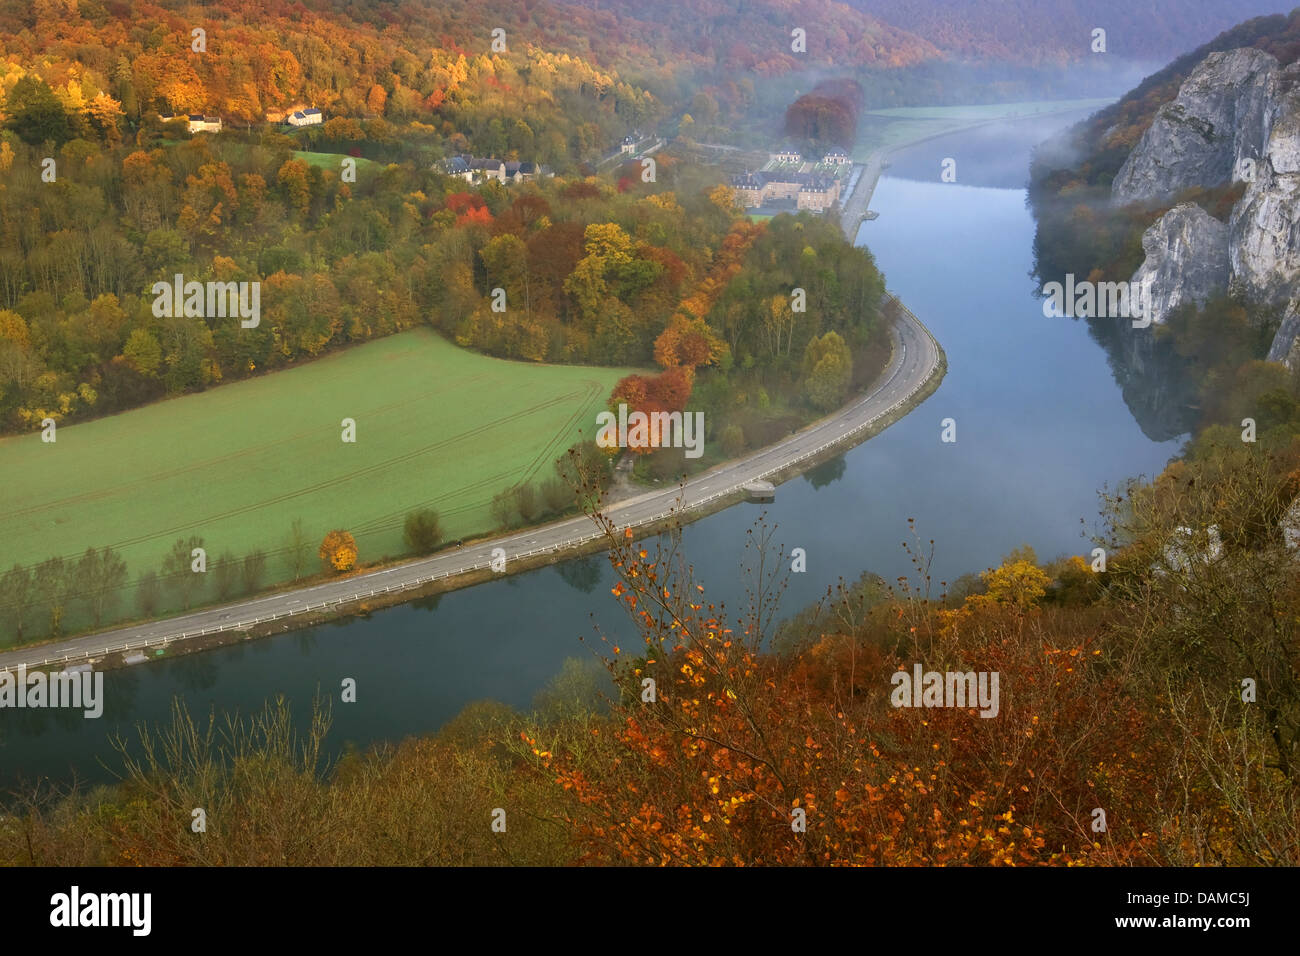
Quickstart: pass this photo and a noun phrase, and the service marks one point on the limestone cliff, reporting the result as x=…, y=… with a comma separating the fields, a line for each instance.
x=1264, y=246
x=1237, y=116
x=1221, y=115
x=1186, y=259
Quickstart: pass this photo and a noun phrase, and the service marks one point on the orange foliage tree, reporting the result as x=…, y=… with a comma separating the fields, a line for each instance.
x=721, y=752
x=338, y=551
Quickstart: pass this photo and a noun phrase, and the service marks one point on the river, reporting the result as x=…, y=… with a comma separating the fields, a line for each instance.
x=1041, y=426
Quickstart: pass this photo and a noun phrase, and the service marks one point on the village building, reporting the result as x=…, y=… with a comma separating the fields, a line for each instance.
x=458, y=166
x=835, y=157
x=474, y=170
x=808, y=190
x=204, y=124
x=786, y=154
x=483, y=169
x=818, y=195
x=628, y=145
x=195, y=122
x=305, y=117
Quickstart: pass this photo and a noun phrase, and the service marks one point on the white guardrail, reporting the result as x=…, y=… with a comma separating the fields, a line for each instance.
x=429, y=579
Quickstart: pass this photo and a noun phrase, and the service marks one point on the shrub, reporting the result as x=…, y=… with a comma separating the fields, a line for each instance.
x=423, y=531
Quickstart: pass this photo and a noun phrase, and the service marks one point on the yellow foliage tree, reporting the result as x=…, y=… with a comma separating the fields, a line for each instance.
x=724, y=197
x=339, y=551
x=1018, y=582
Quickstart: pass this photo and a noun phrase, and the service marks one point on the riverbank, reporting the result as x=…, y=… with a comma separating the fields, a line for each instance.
x=913, y=126
x=293, y=608
x=916, y=366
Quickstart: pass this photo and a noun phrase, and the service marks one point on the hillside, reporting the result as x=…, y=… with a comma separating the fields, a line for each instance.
x=1093, y=151
x=1032, y=31
x=261, y=57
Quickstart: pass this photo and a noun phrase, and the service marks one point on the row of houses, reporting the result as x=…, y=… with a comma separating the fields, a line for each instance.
x=788, y=154
x=480, y=170
x=199, y=123
x=809, y=190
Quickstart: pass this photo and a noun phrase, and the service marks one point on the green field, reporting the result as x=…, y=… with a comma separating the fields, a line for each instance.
x=886, y=128
x=333, y=160
x=437, y=426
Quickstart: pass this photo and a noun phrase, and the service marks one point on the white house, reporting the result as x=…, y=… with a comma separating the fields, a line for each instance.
x=835, y=157
x=305, y=117
x=458, y=166
x=488, y=169
x=204, y=124
x=196, y=122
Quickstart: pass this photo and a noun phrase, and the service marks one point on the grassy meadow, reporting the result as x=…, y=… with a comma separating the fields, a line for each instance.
x=897, y=126
x=436, y=426
x=333, y=161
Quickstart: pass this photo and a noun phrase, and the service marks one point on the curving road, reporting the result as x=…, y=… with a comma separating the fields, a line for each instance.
x=916, y=359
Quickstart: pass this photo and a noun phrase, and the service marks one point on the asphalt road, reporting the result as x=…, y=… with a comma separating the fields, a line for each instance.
x=915, y=358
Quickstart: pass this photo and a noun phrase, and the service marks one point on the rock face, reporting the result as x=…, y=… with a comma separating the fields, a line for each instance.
x=1234, y=106
x=1222, y=114
x=1186, y=259
x=1286, y=343
x=1265, y=241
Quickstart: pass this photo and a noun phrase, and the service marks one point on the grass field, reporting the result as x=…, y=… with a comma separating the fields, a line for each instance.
x=988, y=110
x=437, y=426
x=882, y=129
x=332, y=160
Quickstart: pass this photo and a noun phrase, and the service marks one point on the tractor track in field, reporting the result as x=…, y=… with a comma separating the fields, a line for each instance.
x=198, y=466
x=368, y=471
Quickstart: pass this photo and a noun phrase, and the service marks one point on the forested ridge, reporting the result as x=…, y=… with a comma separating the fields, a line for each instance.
x=1032, y=31
x=352, y=229
x=135, y=201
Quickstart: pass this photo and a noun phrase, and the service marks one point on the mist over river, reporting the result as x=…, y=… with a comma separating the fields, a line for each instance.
x=1041, y=427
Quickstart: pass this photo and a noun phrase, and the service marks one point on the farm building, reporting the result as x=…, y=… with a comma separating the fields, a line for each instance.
x=305, y=117
x=196, y=122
